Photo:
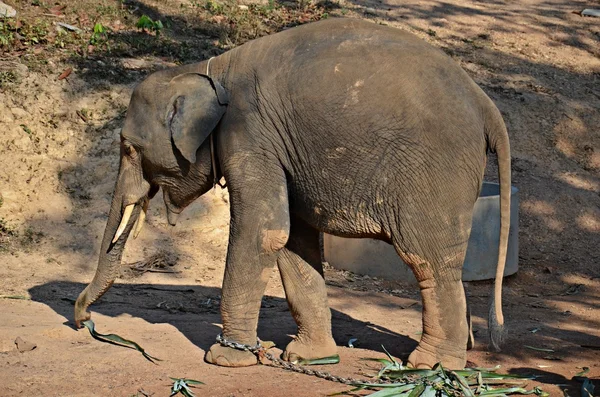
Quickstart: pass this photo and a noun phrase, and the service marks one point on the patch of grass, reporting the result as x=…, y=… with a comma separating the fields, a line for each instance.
x=235, y=24
x=8, y=77
x=21, y=34
x=7, y=234
x=31, y=237
x=7, y=36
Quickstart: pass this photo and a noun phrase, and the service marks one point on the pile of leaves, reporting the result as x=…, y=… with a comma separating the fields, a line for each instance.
x=440, y=382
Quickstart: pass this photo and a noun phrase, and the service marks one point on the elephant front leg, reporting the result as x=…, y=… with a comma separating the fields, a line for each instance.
x=259, y=229
x=445, y=329
x=240, y=306
x=302, y=275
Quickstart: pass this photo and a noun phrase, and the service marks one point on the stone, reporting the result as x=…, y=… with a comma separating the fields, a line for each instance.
x=253, y=2
x=19, y=113
x=7, y=11
x=5, y=114
x=140, y=64
x=23, y=345
x=17, y=68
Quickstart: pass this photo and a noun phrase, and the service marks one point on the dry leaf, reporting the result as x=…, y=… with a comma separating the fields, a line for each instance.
x=65, y=74
x=57, y=10
x=81, y=116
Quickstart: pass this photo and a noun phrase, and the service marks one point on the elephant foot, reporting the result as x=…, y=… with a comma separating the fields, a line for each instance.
x=427, y=358
x=228, y=357
x=298, y=350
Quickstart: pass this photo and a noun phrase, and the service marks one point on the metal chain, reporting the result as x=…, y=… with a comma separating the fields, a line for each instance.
x=261, y=353
x=239, y=346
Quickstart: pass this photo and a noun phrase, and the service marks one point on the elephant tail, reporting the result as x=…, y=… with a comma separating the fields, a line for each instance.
x=497, y=138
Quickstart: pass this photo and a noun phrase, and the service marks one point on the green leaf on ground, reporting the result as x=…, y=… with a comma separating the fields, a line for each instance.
x=117, y=340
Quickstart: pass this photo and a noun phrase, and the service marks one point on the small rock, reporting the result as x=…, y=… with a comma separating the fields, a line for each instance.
x=19, y=113
x=11, y=66
x=252, y=2
x=5, y=114
x=69, y=27
x=7, y=11
x=6, y=117
x=139, y=64
x=134, y=63
x=23, y=345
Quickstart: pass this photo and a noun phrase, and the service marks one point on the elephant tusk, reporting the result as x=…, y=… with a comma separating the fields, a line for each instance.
x=139, y=223
x=172, y=217
x=124, y=221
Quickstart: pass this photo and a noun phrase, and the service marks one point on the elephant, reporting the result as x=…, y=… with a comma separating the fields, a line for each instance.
x=338, y=126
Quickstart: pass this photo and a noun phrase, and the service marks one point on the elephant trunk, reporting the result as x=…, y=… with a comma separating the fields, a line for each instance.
x=116, y=232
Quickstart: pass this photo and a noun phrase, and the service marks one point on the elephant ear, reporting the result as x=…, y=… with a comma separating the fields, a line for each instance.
x=195, y=109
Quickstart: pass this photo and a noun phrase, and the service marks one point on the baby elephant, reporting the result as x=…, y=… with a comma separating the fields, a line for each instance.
x=339, y=126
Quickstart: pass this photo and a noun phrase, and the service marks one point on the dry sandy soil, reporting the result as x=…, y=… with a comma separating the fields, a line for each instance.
x=59, y=145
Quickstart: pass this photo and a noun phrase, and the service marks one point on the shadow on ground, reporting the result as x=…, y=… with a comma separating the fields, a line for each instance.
x=194, y=311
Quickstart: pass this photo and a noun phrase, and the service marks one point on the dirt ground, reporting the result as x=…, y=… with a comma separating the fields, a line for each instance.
x=59, y=144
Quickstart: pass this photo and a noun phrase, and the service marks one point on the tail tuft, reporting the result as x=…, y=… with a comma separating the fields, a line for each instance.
x=496, y=331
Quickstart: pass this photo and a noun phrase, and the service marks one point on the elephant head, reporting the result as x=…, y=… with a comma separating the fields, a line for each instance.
x=163, y=145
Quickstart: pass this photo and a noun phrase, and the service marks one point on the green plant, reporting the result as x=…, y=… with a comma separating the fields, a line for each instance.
x=26, y=129
x=6, y=36
x=100, y=35
x=31, y=237
x=27, y=33
x=7, y=232
x=183, y=385
x=35, y=33
x=213, y=7
x=8, y=77
x=146, y=23
x=63, y=39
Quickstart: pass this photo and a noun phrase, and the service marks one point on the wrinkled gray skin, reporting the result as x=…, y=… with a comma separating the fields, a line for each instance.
x=340, y=126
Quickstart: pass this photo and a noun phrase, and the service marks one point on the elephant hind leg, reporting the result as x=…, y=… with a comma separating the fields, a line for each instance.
x=445, y=327
x=302, y=275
